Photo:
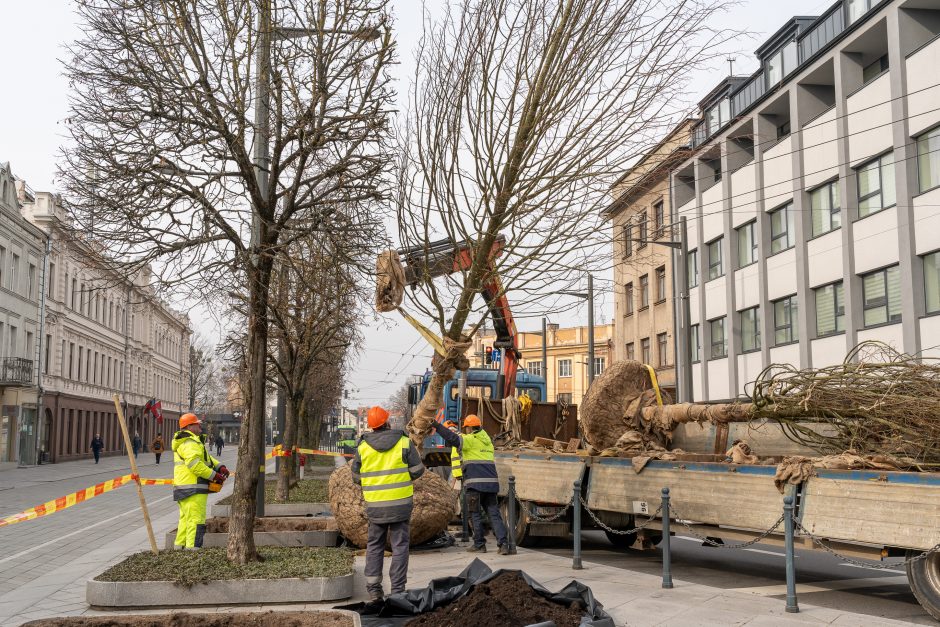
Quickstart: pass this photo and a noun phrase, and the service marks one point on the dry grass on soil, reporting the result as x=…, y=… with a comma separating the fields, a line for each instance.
x=306, y=491
x=191, y=567
x=231, y=619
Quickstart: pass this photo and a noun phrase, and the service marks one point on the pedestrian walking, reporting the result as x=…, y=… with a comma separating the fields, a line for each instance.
x=193, y=471
x=219, y=444
x=480, y=480
x=97, y=445
x=157, y=447
x=386, y=464
x=136, y=443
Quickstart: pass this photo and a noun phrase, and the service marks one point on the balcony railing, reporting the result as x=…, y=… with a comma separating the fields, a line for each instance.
x=825, y=30
x=16, y=371
x=748, y=94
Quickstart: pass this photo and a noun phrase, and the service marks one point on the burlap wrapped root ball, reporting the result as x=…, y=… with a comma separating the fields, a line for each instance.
x=612, y=402
x=434, y=503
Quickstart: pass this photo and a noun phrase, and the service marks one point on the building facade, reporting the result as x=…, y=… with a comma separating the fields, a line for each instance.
x=640, y=216
x=567, y=355
x=22, y=248
x=813, y=197
x=103, y=335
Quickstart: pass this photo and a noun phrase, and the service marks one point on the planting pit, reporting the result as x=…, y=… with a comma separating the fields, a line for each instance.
x=286, y=523
x=506, y=600
x=329, y=618
x=306, y=491
x=284, y=531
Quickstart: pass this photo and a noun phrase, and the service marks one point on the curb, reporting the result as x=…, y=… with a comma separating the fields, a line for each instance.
x=124, y=594
x=278, y=509
x=323, y=537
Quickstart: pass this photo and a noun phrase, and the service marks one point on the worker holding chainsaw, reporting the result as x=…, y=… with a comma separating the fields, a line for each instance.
x=479, y=477
x=195, y=474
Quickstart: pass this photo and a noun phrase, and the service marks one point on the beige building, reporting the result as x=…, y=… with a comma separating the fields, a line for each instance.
x=640, y=213
x=567, y=353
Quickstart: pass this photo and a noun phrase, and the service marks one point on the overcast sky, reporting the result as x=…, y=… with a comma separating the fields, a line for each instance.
x=33, y=104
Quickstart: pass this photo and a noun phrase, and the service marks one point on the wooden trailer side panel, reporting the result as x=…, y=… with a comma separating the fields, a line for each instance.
x=540, y=478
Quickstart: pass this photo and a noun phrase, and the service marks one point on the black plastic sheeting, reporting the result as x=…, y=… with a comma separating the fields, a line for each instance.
x=398, y=609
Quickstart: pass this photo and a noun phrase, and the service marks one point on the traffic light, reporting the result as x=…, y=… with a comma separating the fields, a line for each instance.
x=488, y=359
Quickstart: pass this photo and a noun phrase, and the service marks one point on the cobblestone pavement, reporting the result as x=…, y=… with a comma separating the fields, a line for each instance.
x=44, y=562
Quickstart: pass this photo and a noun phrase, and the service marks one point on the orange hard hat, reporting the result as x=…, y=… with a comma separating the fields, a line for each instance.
x=472, y=421
x=189, y=419
x=377, y=417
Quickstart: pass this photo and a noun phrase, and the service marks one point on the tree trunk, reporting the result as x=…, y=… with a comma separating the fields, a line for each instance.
x=241, y=540
x=287, y=463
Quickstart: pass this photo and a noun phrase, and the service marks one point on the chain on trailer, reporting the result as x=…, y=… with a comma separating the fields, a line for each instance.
x=620, y=532
x=828, y=549
x=720, y=545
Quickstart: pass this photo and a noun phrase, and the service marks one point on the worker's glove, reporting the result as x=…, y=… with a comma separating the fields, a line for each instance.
x=223, y=473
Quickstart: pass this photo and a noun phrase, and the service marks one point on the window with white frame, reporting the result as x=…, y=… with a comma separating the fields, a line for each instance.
x=717, y=338
x=645, y=350
x=830, y=309
x=750, y=329
x=564, y=367
x=659, y=212
x=644, y=229
x=660, y=283
x=534, y=368
x=631, y=351
x=932, y=281
x=826, y=208
x=782, y=230
x=696, y=344
x=599, y=364
x=628, y=298
x=881, y=296
x=715, y=265
x=662, y=344
x=876, y=185
x=786, y=321
x=628, y=240
x=644, y=291
x=747, y=244
x=692, y=263
x=928, y=160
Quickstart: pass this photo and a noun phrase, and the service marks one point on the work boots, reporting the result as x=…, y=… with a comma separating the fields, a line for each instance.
x=476, y=549
x=503, y=549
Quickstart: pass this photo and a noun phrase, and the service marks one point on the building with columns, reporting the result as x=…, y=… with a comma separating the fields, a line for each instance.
x=812, y=195
x=104, y=334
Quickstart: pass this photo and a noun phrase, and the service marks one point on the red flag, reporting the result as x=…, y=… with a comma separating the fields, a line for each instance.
x=157, y=411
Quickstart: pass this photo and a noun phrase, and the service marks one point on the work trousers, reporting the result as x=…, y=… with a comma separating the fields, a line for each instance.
x=97, y=455
x=398, y=535
x=192, y=525
x=488, y=501
x=157, y=455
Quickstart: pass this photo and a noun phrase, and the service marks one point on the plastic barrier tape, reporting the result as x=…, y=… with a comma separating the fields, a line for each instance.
x=309, y=451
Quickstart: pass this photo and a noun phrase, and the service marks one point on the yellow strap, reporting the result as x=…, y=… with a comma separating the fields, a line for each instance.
x=659, y=397
x=436, y=343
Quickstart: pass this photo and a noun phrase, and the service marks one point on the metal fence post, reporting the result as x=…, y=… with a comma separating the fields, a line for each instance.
x=576, y=530
x=464, y=514
x=792, y=606
x=511, y=508
x=667, y=552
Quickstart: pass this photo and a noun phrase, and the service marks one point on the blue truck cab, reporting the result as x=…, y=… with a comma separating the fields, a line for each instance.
x=480, y=381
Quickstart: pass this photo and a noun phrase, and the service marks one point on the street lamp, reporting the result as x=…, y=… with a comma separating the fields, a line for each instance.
x=684, y=348
x=589, y=297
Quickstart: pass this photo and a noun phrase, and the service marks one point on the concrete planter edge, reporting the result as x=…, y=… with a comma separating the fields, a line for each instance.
x=318, y=538
x=279, y=509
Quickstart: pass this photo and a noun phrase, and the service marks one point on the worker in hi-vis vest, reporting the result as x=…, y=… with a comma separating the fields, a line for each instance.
x=385, y=465
x=478, y=473
x=193, y=472
x=455, y=471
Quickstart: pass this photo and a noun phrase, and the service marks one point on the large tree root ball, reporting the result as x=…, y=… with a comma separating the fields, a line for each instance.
x=434, y=503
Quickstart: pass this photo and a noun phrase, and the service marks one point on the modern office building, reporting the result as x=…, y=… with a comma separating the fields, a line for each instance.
x=643, y=304
x=813, y=197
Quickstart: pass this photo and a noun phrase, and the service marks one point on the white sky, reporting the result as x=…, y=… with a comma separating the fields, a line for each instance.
x=33, y=103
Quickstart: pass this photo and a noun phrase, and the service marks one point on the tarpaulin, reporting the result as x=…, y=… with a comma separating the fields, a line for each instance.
x=398, y=609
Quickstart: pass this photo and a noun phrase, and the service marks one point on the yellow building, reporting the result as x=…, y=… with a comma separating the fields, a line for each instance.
x=567, y=352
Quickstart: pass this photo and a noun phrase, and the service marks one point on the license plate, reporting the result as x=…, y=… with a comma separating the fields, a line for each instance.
x=640, y=507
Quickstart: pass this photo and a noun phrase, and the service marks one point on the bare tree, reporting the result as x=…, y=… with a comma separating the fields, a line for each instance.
x=522, y=113
x=202, y=370
x=208, y=135
x=398, y=402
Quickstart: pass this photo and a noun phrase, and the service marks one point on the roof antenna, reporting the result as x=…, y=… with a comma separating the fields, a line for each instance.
x=730, y=61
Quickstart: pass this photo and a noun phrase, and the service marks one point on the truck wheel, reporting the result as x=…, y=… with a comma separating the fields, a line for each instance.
x=522, y=536
x=621, y=542
x=924, y=579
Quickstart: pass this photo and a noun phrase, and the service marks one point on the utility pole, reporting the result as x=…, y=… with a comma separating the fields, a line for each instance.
x=590, y=304
x=684, y=348
x=545, y=355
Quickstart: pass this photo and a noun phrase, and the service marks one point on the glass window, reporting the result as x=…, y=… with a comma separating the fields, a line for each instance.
x=645, y=350
x=750, y=329
x=661, y=346
x=599, y=363
x=644, y=291
x=790, y=59
x=855, y=9
x=830, y=309
x=715, y=266
x=786, y=322
x=774, y=69
x=747, y=244
x=627, y=241
x=660, y=216
x=782, y=232
x=876, y=185
x=696, y=344
x=564, y=367
x=628, y=298
x=643, y=222
x=534, y=368
x=932, y=281
x=826, y=208
x=724, y=109
x=661, y=283
x=565, y=398
x=631, y=351
x=881, y=296
x=928, y=159
x=719, y=343
x=693, y=268
x=874, y=69
x=714, y=120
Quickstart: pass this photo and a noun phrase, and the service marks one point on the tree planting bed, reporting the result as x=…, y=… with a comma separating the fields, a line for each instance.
x=206, y=577
x=283, y=531
x=308, y=498
x=312, y=618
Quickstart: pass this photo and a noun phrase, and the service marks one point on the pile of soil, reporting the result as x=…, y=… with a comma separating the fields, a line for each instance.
x=278, y=523
x=506, y=600
x=235, y=619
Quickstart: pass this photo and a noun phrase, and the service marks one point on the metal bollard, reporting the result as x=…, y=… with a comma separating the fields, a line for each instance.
x=667, y=551
x=576, y=527
x=511, y=511
x=792, y=606
x=464, y=514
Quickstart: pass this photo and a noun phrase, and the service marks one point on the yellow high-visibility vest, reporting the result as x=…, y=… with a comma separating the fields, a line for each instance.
x=384, y=474
x=455, y=462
